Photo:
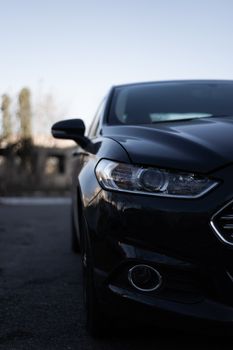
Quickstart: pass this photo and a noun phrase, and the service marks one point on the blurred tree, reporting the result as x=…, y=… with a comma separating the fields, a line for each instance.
x=25, y=114
x=6, y=117
x=25, y=149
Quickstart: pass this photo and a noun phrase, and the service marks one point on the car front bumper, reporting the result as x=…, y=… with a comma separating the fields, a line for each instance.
x=173, y=236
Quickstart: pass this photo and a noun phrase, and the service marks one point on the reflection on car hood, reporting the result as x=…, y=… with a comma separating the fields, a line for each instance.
x=201, y=145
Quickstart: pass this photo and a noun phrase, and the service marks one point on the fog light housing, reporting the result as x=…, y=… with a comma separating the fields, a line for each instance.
x=144, y=278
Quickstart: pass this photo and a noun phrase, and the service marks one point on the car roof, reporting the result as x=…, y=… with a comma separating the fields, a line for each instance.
x=177, y=82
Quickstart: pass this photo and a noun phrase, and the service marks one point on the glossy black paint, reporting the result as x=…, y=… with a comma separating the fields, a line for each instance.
x=73, y=129
x=203, y=145
x=173, y=235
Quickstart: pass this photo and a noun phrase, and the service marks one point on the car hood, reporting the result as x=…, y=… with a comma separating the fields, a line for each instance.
x=201, y=145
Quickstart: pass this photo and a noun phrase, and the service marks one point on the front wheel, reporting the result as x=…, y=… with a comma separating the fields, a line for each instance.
x=74, y=239
x=95, y=317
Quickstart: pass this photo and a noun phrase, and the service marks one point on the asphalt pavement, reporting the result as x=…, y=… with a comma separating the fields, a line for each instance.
x=41, y=304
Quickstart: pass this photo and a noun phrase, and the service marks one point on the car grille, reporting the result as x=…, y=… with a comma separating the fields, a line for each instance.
x=222, y=223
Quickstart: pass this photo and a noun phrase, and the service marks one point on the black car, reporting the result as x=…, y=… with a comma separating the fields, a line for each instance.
x=153, y=204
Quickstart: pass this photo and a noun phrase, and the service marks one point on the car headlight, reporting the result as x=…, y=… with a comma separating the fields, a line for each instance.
x=152, y=181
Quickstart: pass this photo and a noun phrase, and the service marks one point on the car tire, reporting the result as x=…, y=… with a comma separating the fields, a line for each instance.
x=75, y=246
x=96, y=319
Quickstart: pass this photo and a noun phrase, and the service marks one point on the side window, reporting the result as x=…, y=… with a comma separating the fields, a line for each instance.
x=96, y=121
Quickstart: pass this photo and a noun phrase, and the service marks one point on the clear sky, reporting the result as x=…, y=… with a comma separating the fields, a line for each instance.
x=77, y=49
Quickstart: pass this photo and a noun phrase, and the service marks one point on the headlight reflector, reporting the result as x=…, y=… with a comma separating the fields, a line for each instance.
x=153, y=181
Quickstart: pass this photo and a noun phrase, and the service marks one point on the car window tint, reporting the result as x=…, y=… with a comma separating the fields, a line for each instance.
x=160, y=102
x=97, y=118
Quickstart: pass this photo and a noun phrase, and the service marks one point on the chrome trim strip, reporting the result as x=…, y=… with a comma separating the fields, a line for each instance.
x=143, y=289
x=228, y=227
x=227, y=217
x=229, y=275
x=216, y=231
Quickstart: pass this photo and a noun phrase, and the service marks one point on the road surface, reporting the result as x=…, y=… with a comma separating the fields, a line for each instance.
x=41, y=304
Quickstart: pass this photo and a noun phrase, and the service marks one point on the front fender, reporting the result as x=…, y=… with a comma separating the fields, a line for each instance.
x=87, y=183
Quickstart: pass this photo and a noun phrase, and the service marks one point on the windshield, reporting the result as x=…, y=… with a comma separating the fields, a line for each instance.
x=163, y=102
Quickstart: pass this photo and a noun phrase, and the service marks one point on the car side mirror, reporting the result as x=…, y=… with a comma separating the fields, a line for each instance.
x=71, y=129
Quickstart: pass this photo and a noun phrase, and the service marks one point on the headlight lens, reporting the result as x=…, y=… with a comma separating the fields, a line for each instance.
x=153, y=181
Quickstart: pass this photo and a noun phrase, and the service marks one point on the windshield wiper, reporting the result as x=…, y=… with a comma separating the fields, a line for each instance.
x=221, y=115
x=175, y=120
x=191, y=119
